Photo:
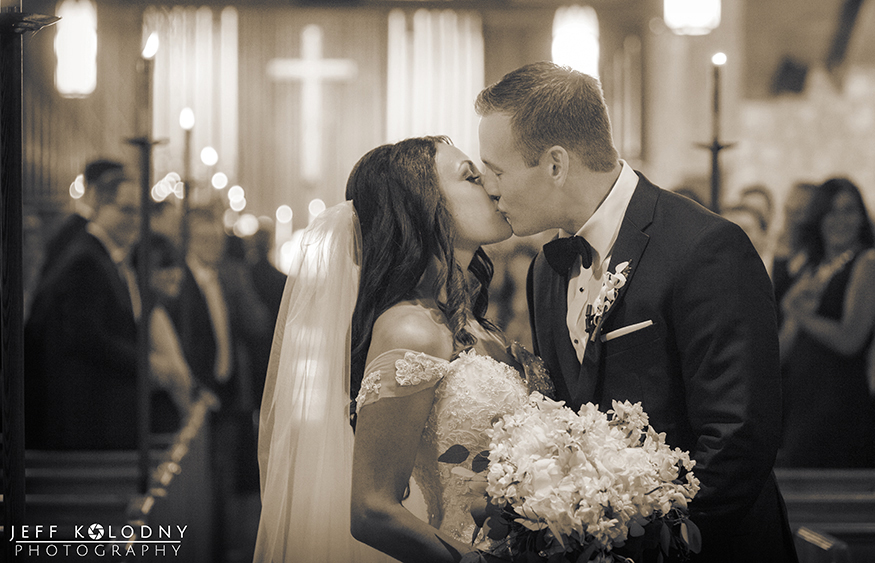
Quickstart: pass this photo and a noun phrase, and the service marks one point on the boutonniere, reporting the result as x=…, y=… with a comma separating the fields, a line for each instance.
x=611, y=286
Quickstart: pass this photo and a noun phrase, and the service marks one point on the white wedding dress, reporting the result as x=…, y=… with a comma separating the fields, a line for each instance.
x=471, y=392
x=305, y=440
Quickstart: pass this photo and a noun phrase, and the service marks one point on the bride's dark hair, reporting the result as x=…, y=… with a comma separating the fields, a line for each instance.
x=405, y=222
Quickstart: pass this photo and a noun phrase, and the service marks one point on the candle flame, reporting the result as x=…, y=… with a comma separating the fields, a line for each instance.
x=151, y=47
x=186, y=119
x=719, y=59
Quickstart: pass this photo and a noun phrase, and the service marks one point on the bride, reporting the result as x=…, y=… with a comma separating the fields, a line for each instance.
x=387, y=308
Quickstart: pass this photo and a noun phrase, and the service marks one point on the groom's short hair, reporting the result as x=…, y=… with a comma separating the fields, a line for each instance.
x=553, y=105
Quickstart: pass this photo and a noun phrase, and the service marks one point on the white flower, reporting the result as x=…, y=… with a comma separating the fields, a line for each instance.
x=587, y=476
x=606, y=296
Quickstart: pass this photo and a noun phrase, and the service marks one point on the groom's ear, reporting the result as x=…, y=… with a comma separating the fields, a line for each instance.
x=556, y=161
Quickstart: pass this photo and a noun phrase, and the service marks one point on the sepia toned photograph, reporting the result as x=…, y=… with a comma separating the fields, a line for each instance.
x=437, y=281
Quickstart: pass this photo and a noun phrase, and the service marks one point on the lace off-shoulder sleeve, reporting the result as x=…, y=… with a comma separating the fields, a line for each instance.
x=397, y=373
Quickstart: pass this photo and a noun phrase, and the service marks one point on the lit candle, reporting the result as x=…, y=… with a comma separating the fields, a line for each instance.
x=186, y=121
x=718, y=60
x=144, y=127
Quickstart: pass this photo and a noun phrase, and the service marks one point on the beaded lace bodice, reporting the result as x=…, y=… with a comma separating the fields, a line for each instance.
x=470, y=393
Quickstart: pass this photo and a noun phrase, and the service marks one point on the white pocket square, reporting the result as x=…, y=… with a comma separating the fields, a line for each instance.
x=626, y=330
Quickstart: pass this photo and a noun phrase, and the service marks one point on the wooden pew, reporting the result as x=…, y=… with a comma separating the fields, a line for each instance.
x=833, y=510
x=80, y=487
x=71, y=489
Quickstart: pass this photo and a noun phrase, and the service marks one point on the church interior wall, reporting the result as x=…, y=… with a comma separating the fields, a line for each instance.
x=825, y=129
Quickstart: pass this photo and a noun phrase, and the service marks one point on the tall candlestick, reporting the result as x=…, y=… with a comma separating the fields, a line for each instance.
x=715, y=146
x=186, y=121
x=144, y=116
x=717, y=60
x=144, y=344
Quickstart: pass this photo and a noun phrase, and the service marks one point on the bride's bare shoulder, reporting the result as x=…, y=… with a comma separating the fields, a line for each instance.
x=411, y=325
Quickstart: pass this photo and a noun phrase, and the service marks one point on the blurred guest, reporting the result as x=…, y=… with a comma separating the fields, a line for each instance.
x=166, y=220
x=758, y=197
x=172, y=397
x=81, y=336
x=829, y=314
x=252, y=330
x=238, y=318
x=755, y=226
x=96, y=172
x=188, y=310
x=251, y=321
x=269, y=281
x=788, y=254
x=205, y=253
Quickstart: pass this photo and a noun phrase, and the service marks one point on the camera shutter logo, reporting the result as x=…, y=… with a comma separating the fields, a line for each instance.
x=95, y=531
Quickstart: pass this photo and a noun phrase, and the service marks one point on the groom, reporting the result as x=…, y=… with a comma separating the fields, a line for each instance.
x=654, y=299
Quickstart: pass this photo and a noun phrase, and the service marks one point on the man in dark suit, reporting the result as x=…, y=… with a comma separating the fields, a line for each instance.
x=80, y=339
x=654, y=299
x=74, y=223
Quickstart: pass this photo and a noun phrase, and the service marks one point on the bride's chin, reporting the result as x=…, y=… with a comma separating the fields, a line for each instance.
x=501, y=237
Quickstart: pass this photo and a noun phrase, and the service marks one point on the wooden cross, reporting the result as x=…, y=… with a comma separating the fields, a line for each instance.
x=311, y=69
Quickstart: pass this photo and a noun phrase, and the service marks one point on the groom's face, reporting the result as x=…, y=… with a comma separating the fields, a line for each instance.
x=520, y=189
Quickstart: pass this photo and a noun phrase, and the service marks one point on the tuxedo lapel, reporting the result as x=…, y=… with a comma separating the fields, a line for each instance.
x=629, y=247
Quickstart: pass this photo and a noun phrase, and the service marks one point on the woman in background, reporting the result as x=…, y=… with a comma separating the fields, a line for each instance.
x=829, y=313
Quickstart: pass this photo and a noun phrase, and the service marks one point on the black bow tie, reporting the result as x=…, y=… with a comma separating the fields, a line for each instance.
x=562, y=252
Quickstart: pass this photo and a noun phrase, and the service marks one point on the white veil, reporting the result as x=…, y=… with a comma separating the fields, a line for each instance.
x=305, y=441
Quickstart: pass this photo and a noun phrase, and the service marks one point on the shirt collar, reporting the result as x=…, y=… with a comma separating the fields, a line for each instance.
x=602, y=229
x=201, y=271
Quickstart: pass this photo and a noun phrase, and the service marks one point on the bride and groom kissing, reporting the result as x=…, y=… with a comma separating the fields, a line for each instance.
x=643, y=296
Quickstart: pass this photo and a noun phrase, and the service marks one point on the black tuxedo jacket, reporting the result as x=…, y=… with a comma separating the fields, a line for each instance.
x=72, y=225
x=80, y=354
x=706, y=370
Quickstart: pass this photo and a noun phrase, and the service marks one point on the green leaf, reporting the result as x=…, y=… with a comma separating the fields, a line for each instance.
x=496, y=528
x=587, y=553
x=480, y=463
x=691, y=534
x=455, y=454
x=665, y=538
x=636, y=530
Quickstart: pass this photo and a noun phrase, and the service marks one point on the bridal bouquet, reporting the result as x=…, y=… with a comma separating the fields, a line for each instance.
x=585, y=486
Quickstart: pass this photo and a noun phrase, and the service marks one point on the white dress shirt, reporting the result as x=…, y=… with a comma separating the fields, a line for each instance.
x=600, y=231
